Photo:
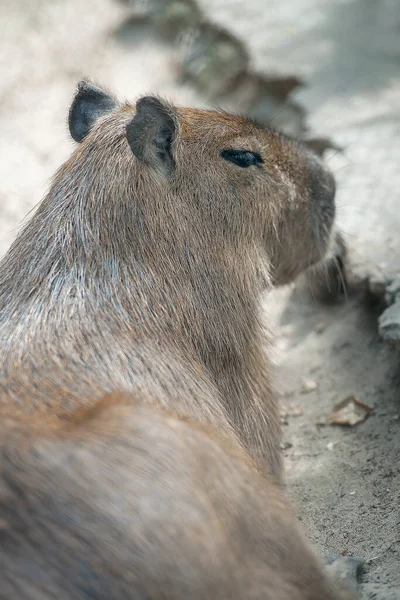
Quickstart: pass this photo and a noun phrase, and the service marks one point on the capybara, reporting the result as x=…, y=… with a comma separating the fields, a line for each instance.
x=139, y=432
x=143, y=267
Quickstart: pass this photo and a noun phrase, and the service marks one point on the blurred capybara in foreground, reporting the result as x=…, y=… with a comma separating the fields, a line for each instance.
x=132, y=501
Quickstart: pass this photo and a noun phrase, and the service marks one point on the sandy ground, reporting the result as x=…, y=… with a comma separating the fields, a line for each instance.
x=345, y=481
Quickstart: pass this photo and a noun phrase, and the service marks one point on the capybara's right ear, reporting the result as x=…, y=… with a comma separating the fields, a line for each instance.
x=90, y=103
x=151, y=134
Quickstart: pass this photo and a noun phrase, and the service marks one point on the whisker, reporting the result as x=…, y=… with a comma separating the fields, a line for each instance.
x=344, y=167
x=310, y=287
x=341, y=277
x=278, y=113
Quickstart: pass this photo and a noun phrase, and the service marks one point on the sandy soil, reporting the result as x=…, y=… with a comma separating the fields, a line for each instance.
x=345, y=481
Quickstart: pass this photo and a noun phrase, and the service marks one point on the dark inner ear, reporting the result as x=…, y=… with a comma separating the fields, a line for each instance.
x=152, y=132
x=89, y=104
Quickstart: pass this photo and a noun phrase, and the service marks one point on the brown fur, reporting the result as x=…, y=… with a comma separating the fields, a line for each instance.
x=142, y=272
x=126, y=279
x=131, y=501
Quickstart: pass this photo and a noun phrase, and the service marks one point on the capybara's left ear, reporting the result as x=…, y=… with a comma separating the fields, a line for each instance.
x=90, y=103
x=152, y=132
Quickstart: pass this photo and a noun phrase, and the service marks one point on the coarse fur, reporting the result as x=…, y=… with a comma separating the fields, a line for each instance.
x=142, y=269
x=141, y=275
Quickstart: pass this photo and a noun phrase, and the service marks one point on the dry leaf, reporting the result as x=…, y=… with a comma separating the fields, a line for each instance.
x=349, y=411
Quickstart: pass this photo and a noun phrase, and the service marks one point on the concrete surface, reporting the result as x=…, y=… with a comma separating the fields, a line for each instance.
x=345, y=481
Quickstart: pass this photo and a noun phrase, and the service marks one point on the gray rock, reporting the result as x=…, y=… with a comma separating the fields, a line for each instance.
x=167, y=18
x=392, y=294
x=175, y=17
x=213, y=58
x=344, y=569
x=389, y=323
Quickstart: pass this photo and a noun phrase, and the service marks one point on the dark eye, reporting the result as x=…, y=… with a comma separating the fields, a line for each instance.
x=242, y=158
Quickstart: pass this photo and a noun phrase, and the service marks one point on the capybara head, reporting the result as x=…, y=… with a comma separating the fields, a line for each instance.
x=248, y=186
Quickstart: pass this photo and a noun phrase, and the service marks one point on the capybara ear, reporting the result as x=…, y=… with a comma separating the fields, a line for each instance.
x=152, y=132
x=90, y=103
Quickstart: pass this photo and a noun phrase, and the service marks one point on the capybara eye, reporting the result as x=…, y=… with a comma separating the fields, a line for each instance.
x=242, y=158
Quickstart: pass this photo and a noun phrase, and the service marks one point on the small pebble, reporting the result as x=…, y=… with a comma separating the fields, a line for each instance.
x=309, y=385
x=286, y=445
x=331, y=445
